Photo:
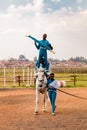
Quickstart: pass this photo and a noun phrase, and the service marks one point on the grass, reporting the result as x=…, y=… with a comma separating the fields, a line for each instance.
x=81, y=78
x=80, y=81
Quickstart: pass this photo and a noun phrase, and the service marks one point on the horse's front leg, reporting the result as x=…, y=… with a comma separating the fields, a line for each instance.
x=45, y=102
x=36, y=101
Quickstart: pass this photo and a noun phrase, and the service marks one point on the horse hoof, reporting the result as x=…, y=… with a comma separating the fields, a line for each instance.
x=36, y=113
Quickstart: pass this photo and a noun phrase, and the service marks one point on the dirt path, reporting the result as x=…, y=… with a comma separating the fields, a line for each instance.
x=17, y=111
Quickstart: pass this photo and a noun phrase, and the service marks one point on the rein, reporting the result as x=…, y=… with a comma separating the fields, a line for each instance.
x=72, y=94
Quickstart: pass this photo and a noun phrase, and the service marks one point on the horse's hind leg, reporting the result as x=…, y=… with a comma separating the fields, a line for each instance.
x=36, y=102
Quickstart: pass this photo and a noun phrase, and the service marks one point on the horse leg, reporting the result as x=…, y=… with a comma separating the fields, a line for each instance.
x=37, y=101
x=45, y=102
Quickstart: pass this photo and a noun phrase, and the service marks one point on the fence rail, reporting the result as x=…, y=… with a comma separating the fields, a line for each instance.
x=11, y=77
x=16, y=76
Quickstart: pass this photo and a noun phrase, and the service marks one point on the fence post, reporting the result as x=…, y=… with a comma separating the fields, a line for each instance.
x=28, y=76
x=23, y=74
x=4, y=76
x=14, y=77
x=19, y=79
x=74, y=80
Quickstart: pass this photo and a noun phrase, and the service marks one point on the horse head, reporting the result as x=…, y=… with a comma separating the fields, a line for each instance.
x=41, y=80
x=41, y=75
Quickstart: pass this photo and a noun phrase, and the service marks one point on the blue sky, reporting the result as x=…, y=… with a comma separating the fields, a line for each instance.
x=64, y=21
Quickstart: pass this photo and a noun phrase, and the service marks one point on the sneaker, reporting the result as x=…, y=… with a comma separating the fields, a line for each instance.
x=53, y=114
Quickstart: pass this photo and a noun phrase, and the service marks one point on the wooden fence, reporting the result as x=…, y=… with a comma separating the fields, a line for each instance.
x=21, y=77
x=16, y=77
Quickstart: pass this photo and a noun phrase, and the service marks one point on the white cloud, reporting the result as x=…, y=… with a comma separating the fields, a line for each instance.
x=55, y=0
x=66, y=31
x=79, y=1
x=38, y=4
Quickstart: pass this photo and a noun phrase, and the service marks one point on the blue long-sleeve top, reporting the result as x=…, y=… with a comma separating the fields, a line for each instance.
x=42, y=43
x=52, y=84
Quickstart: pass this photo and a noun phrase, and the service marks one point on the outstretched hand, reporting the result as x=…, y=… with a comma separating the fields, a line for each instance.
x=27, y=35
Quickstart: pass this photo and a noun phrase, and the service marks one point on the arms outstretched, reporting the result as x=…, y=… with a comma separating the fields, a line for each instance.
x=41, y=44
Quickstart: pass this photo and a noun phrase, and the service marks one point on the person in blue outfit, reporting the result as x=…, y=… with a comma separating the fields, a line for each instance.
x=43, y=65
x=52, y=86
x=42, y=45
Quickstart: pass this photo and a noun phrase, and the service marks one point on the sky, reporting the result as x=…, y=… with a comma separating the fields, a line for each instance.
x=64, y=22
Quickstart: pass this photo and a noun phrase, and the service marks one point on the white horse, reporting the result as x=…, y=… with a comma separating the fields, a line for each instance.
x=41, y=87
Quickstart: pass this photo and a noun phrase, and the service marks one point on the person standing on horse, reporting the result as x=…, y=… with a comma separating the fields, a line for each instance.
x=43, y=65
x=42, y=45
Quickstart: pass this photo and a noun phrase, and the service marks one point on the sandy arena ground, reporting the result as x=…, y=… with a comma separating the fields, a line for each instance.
x=17, y=111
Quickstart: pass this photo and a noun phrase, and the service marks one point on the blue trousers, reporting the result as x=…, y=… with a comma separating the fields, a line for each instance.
x=46, y=67
x=52, y=96
x=42, y=53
